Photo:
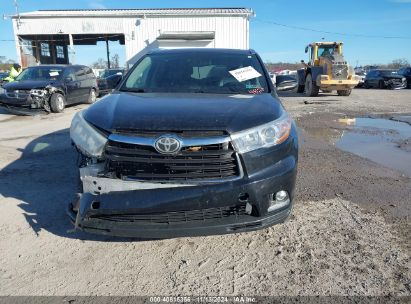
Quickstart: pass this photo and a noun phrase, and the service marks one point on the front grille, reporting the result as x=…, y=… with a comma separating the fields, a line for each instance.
x=182, y=134
x=208, y=162
x=17, y=93
x=177, y=217
x=340, y=71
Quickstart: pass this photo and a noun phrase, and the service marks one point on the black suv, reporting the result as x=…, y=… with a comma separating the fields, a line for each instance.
x=384, y=79
x=192, y=142
x=50, y=88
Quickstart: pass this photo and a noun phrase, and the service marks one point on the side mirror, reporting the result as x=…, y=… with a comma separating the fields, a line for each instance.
x=302, y=61
x=113, y=81
x=306, y=49
x=118, y=79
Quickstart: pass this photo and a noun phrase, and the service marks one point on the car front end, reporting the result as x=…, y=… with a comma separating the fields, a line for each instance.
x=186, y=165
x=31, y=91
x=395, y=83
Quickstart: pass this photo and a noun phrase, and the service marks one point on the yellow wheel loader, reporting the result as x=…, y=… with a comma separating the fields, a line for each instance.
x=326, y=70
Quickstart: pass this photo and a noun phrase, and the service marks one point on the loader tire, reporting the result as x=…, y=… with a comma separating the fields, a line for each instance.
x=299, y=88
x=344, y=92
x=311, y=89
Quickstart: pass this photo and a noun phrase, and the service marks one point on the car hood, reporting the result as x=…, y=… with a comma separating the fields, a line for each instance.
x=28, y=84
x=175, y=112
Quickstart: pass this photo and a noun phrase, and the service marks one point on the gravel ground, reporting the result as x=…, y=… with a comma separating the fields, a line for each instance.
x=348, y=235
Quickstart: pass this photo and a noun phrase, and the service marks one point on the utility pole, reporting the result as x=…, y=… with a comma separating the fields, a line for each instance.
x=16, y=4
x=108, y=54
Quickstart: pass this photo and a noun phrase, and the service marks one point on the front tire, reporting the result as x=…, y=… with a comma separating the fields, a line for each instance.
x=311, y=88
x=57, y=103
x=344, y=92
x=92, y=96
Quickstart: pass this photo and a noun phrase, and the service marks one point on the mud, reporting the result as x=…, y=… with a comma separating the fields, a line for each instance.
x=383, y=141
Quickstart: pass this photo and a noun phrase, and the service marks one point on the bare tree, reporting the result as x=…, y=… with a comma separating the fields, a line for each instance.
x=115, y=61
x=99, y=64
x=398, y=63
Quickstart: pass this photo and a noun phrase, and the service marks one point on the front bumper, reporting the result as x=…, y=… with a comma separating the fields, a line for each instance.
x=24, y=106
x=22, y=110
x=94, y=209
x=335, y=84
x=394, y=85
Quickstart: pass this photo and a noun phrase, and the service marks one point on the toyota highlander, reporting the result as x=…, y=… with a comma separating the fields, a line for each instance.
x=191, y=142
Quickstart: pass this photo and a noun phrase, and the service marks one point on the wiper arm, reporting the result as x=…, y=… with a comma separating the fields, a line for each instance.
x=134, y=90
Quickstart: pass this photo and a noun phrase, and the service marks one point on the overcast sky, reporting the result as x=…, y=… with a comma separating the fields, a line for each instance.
x=357, y=18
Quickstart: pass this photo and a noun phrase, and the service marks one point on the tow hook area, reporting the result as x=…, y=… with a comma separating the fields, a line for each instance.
x=73, y=207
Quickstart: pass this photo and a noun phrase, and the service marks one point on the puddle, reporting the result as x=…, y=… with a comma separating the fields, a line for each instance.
x=383, y=141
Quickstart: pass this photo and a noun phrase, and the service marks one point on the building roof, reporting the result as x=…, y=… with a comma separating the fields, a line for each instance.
x=138, y=12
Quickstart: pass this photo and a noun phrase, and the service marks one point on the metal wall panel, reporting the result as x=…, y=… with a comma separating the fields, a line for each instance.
x=231, y=31
x=40, y=26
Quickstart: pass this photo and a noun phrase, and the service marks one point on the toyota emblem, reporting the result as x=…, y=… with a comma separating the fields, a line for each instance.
x=167, y=145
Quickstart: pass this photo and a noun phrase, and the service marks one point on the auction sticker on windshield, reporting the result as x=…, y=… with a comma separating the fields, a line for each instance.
x=243, y=74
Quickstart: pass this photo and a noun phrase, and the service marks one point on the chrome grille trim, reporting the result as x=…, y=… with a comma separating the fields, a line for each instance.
x=185, y=142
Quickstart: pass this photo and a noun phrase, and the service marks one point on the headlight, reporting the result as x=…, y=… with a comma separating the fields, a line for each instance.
x=85, y=137
x=267, y=135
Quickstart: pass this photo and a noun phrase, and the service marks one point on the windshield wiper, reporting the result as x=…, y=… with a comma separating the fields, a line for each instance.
x=134, y=90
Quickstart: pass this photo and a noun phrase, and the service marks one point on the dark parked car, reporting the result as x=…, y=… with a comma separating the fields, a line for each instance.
x=2, y=76
x=286, y=82
x=406, y=72
x=109, y=79
x=192, y=142
x=384, y=79
x=50, y=88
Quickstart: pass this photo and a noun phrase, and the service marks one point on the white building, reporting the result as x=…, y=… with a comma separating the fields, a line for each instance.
x=50, y=36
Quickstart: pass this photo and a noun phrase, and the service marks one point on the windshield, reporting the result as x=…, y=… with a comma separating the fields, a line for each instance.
x=197, y=72
x=327, y=50
x=40, y=73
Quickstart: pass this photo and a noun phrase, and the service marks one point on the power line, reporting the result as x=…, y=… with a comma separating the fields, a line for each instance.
x=258, y=20
x=329, y=32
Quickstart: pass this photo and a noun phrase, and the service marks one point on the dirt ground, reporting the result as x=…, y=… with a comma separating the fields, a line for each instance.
x=349, y=233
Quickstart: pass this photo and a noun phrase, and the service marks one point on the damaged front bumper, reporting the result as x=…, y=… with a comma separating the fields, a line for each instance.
x=395, y=84
x=163, y=210
x=27, y=103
